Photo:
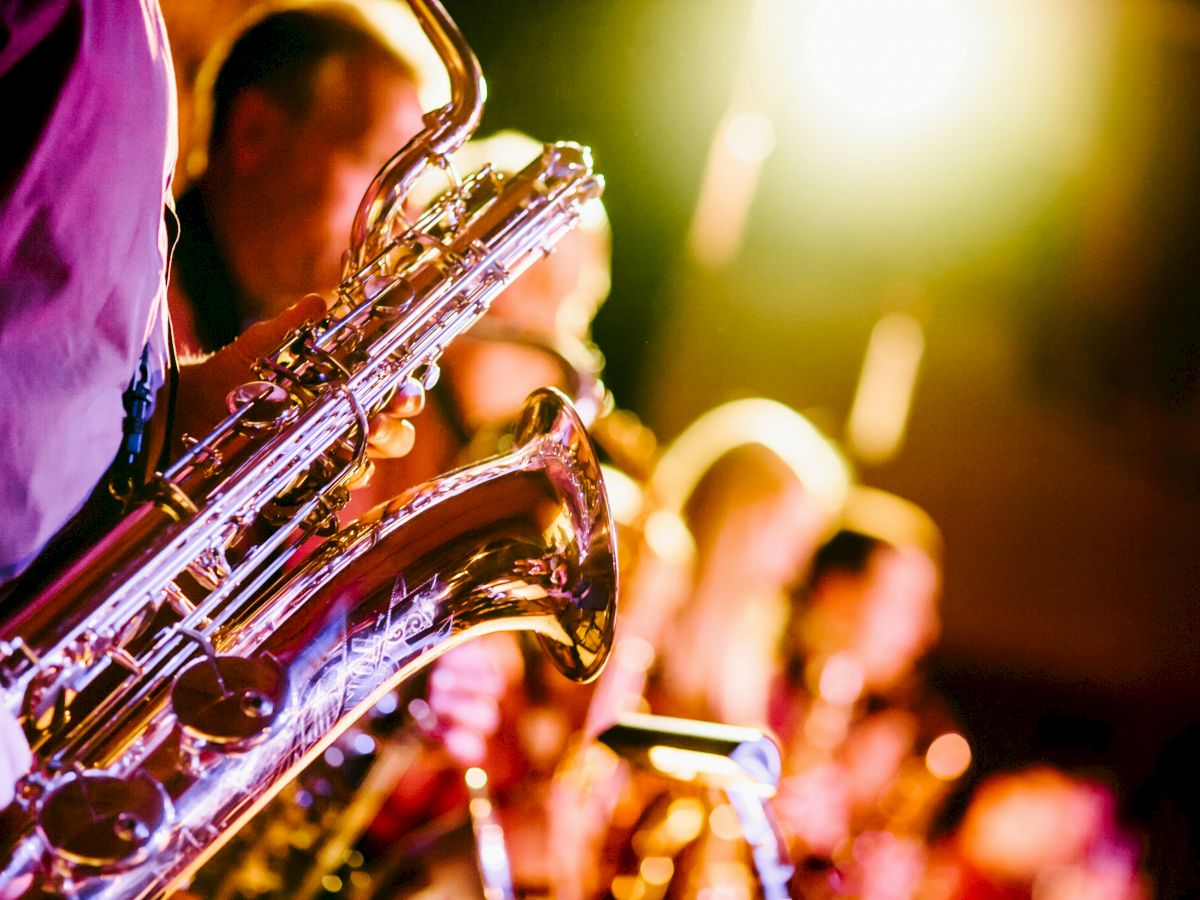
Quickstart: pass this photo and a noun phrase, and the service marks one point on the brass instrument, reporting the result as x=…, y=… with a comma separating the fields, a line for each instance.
x=517, y=542
x=291, y=851
x=177, y=674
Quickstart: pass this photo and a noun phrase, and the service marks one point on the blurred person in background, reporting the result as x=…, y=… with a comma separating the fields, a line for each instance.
x=303, y=108
x=756, y=513
x=1039, y=834
x=737, y=506
x=862, y=778
x=536, y=333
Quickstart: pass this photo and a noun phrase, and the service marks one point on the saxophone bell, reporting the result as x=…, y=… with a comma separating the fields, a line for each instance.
x=522, y=541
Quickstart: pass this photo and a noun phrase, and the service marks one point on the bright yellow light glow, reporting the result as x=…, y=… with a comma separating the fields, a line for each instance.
x=668, y=537
x=923, y=129
x=879, y=68
x=656, y=870
x=750, y=136
x=476, y=778
x=687, y=765
x=624, y=887
x=730, y=181
x=685, y=818
x=948, y=756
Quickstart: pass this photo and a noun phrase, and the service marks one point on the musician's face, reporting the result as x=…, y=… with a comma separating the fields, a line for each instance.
x=891, y=613
x=778, y=538
x=361, y=115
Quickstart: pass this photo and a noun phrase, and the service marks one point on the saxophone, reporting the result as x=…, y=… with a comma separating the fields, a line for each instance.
x=176, y=675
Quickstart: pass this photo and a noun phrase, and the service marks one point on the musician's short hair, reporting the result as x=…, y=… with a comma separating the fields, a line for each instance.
x=279, y=51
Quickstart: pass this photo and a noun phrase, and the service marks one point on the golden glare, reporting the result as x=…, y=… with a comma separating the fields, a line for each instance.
x=685, y=819
x=948, y=756
x=687, y=765
x=476, y=778
x=724, y=822
x=656, y=870
x=626, y=887
x=929, y=126
x=878, y=69
x=730, y=182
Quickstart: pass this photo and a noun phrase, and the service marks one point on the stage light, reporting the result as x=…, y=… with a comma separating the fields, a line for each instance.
x=915, y=130
x=881, y=69
x=922, y=129
x=948, y=756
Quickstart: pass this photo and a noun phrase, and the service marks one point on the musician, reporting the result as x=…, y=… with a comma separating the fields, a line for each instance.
x=757, y=488
x=1040, y=832
x=848, y=703
x=304, y=107
x=87, y=164
x=538, y=329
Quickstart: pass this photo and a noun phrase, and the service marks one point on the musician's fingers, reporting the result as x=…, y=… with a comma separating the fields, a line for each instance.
x=390, y=437
x=408, y=400
x=205, y=383
x=263, y=337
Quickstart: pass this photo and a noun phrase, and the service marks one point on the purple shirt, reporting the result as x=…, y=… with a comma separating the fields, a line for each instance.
x=87, y=101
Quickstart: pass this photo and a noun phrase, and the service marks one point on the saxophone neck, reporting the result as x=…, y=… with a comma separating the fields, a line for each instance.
x=445, y=130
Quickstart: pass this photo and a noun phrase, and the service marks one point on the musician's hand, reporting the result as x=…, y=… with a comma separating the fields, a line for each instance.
x=392, y=434
x=465, y=688
x=205, y=384
x=15, y=758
